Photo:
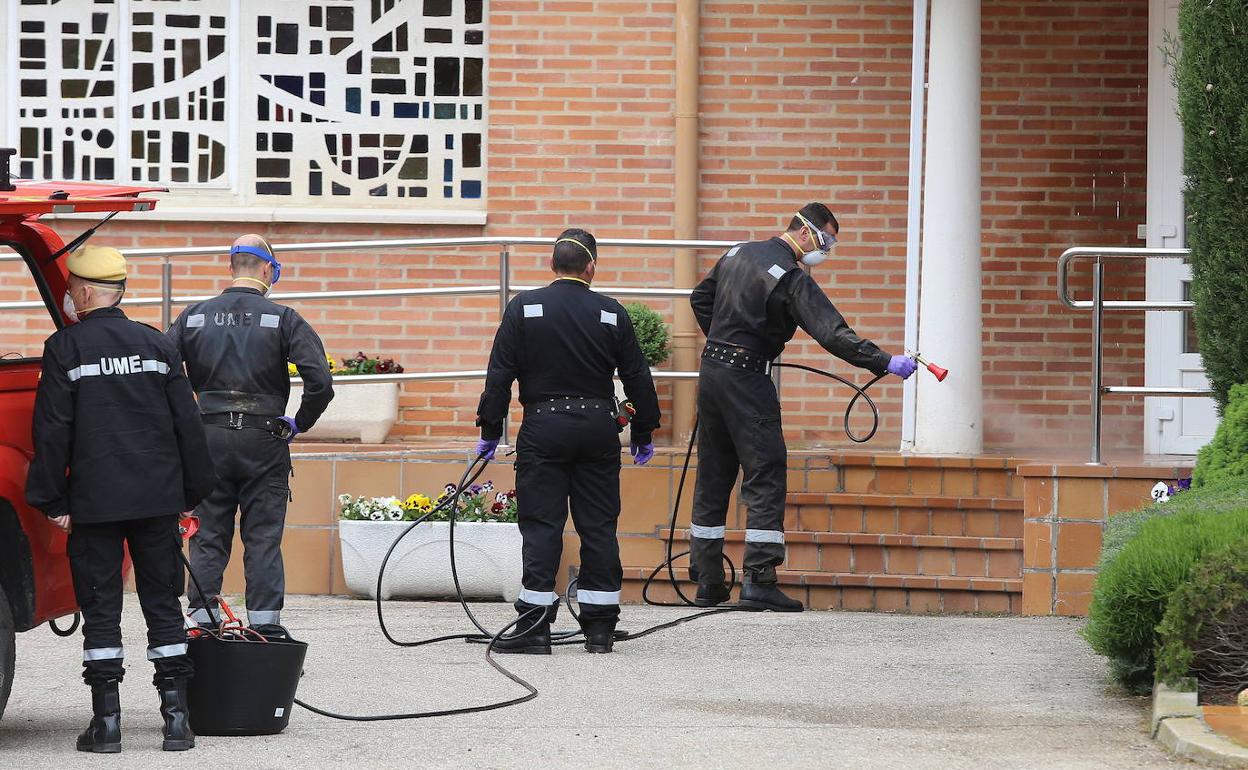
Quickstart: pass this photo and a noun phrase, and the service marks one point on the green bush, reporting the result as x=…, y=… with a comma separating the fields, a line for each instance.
x=652, y=333
x=1203, y=633
x=1226, y=457
x=1213, y=105
x=1131, y=594
x=1219, y=497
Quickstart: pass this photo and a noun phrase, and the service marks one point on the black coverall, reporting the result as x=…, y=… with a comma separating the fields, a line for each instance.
x=564, y=342
x=236, y=346
x=749, y=306
x=115, y=410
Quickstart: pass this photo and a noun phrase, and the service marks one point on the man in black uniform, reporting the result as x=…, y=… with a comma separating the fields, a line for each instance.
x=749, y=306
x=119, y=455
x=236, y=347
x=564, y=342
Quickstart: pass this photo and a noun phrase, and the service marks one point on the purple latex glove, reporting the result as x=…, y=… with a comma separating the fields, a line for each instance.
x=294, y=429
x=641, y=453
x=902, y=366
x=486, y=447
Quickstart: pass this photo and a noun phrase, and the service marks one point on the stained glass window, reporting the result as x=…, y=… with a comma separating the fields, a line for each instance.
x=330, y=102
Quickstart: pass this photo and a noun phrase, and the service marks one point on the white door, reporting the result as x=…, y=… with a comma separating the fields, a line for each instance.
x=1172, y=357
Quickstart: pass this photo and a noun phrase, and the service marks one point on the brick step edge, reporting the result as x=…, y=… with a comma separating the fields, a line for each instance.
x=846, y=579
x=904, y=501
x=863, y=538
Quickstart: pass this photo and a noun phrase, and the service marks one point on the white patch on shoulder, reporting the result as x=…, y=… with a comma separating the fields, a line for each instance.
x=732, y=251
x=607, y=318
x=195, y=321
x=270, y=321
x=776, y=271
x=533, y=311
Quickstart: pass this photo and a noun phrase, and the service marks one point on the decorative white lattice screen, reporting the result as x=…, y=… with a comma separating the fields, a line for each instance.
x=331, y=103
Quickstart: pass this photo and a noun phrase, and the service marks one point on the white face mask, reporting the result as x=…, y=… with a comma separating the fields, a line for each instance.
x=812, y=258
x=821, y=239
x=67, y=305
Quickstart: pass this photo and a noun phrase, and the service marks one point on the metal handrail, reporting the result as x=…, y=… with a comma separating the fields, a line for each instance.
x=504, y=289
x=1099, y=305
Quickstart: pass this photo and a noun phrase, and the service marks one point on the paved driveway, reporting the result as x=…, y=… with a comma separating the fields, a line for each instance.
x=815, y=690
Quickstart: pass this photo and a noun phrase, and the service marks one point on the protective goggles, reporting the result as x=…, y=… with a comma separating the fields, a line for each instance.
x=822, y=239
x=262, y=254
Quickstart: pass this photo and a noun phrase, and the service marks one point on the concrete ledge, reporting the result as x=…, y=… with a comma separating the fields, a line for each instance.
x=1177, y=726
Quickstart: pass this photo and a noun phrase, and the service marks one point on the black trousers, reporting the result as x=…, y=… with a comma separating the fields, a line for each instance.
x=738, y=429
x=570, y=459
x=253, y=473
x=95, y=559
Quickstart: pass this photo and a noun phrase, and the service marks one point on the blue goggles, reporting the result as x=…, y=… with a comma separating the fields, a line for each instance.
x=262, y=254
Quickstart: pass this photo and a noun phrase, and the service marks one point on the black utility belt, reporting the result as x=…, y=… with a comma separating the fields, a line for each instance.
x=239, y=420
x=571, y=404
x=738, y=358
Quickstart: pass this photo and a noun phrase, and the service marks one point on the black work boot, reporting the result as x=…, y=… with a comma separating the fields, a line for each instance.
x=531, y=636
x=103, y=735
x=711, y=594
x=766, y=596
x=599, y=633
x=177, y=730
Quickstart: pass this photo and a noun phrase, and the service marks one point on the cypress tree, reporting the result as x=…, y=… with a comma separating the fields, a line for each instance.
x=1212, y=79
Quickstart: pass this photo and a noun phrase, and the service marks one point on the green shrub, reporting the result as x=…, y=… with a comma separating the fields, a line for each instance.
x=652, y=333
x=1214, y=498
x=1213, y=105
x=1226, y=457
x=1130, y=595
x=1203, y=632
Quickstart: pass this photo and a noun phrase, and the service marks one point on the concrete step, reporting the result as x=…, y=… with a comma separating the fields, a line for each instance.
x=888, y=554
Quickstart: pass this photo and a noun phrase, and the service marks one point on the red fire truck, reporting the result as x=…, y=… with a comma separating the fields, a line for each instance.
x=35, y=586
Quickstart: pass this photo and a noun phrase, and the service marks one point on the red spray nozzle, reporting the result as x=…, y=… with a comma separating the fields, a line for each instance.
x=939, y=372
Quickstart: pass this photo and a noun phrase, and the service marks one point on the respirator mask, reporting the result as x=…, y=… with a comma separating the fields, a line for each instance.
x=822, y=240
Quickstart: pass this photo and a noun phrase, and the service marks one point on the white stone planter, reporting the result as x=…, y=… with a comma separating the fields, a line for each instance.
x=363, y=411
x=487, y=555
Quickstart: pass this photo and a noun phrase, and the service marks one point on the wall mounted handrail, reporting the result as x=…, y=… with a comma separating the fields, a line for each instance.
x=503, y=289
x=1098, y=304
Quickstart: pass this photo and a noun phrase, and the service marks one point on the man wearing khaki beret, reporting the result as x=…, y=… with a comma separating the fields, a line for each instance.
x=120, y=453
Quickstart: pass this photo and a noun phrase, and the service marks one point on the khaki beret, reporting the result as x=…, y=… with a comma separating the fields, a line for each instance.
x=98, y=263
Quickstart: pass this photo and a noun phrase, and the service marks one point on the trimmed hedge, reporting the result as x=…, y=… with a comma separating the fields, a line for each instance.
x=1220, y=497
x=1213, y=105
x=1203, y=632
x=1131, y=594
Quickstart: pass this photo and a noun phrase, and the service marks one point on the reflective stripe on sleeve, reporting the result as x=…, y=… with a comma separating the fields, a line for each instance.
x=542, y=598
x=597, y=597
x=166, y=651
x=706, y=533
x=102, y=653
x=764, y=536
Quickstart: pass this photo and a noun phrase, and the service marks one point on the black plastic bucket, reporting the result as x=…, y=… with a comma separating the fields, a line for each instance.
x=243, y=687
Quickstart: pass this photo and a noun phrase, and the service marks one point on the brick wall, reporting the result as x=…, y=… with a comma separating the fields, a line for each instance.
x=800, y=101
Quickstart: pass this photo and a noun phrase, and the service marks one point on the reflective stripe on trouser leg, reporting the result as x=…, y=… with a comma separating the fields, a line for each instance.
x=166, y=651
x=764, y=536
x=584, y=596
x=264, y=617
x=103, y=653
x=202, y=616
x=538, y=598
x=707, y=533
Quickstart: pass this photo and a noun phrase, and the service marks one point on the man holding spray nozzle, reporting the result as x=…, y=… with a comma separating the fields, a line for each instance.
x=749, y=307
